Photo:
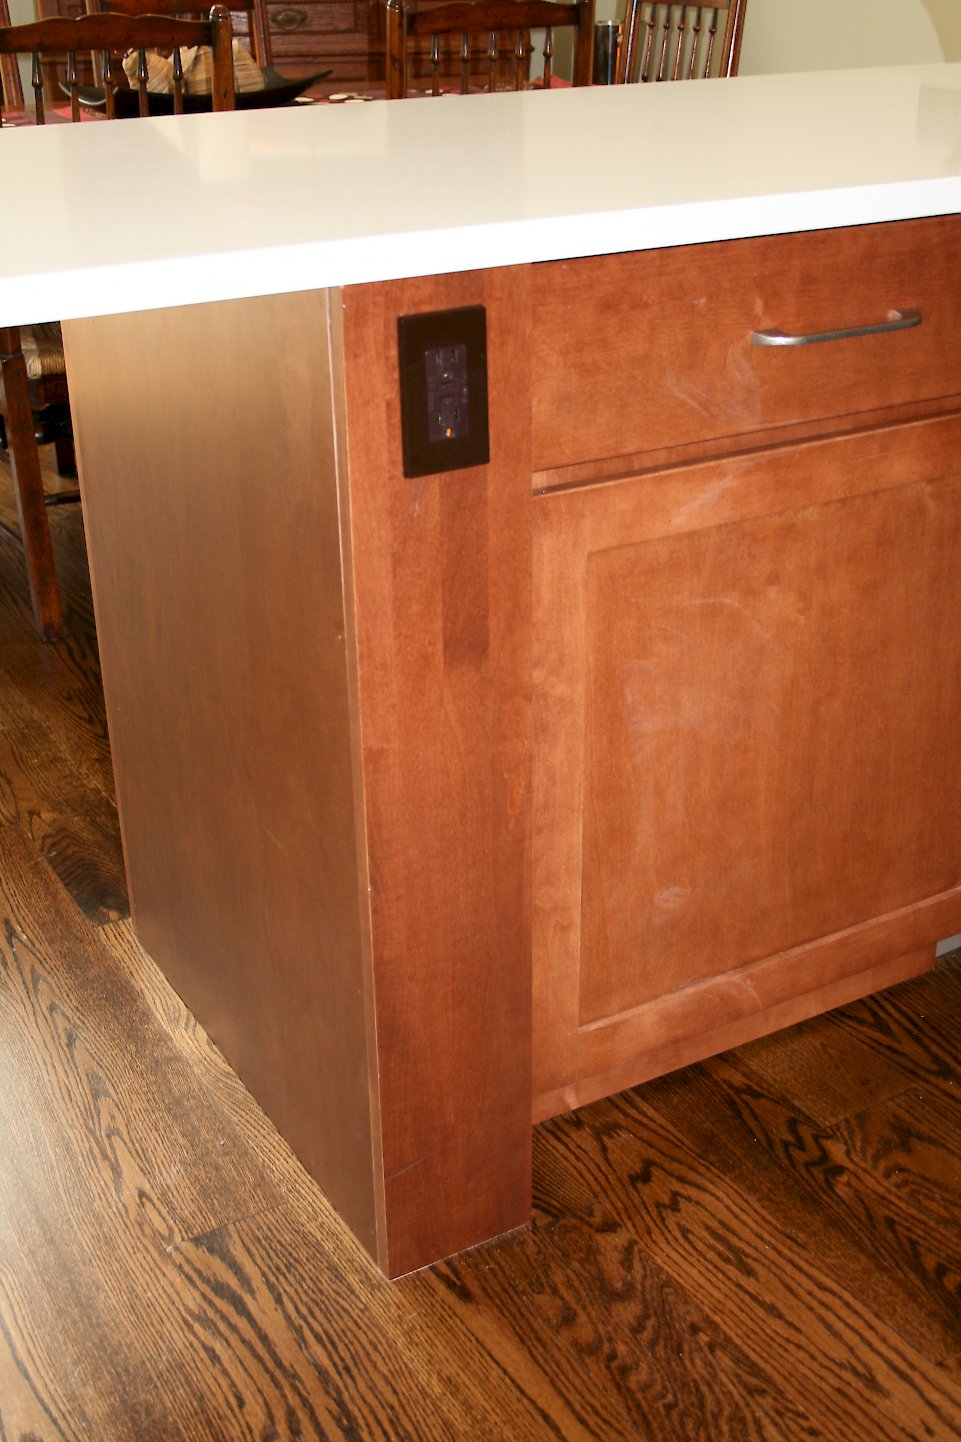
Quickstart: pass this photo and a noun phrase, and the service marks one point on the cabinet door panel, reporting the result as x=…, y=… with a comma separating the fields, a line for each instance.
x=746, y=733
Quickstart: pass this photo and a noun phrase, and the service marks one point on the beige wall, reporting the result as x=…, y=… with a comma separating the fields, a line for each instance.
x=781, y=35
x=946, y=16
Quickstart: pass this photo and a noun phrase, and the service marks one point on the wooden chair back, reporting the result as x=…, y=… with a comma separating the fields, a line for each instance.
x=38, y=410
x=9, y=69
x=114, y=35
x=680, y=42
x=486, y=40
x=248, y=18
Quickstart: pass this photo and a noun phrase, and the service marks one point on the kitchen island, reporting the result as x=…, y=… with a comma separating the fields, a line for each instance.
x=452, y=799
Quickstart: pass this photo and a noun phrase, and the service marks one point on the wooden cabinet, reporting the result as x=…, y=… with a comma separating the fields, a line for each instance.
x=648, y=726
x=746, y=663
x=344, y=35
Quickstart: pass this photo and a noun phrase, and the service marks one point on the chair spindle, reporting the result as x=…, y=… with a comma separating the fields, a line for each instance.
x=109, y=85
x=73, y=85
x=548, y=56
x=695, y=43
x=679, y=44
x=36, y=80
x=711, y=36
x=464, y=63
x=492, y=61
x=178, y=78
x=520, y=55
x=665, y=39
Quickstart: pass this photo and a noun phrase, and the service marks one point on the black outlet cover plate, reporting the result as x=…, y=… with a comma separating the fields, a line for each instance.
x=417, y=335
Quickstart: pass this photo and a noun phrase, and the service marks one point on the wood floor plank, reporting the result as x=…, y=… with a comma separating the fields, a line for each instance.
x=915, y=1025
x=71, y=824
x=760, y=1249
x=843, y=1363
x=600, y=1320
x=870, y=1240
x=84, y=1066
x=60, y=679
x=486, y=1371
x=910, y=1148
x=490, y=1325
x=828, y=1077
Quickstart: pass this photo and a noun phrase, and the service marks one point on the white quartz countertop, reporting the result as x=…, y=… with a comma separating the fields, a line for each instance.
x=140, y=214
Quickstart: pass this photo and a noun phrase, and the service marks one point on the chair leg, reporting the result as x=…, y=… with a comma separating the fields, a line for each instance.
x=66, y=456
x=28, y=487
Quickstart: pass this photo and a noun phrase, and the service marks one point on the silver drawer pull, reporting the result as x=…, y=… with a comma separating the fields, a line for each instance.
x=905, y=319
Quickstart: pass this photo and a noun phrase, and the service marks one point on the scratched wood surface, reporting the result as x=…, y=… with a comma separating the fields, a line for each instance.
x=763, y=1247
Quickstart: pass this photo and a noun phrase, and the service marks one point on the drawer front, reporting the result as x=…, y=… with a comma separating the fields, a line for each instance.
x=303, y=28
x=652, y=351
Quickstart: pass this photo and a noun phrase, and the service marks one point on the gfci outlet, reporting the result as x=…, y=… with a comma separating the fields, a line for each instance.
x=443, y=390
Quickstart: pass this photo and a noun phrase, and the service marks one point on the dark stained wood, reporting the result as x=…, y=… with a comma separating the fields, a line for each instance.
x=678, y=42
x=9, y=69
x=634, y=354
x=876, y=1247
x=251, y=22
x=219, y=1297
x=118, y=34
x=497, y=30
x=55, y=774
x=28, y=484
x=733, y=1258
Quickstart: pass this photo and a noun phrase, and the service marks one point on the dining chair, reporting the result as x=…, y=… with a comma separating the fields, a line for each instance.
x=680, y=42
x=248, y=18
x=34, y=399
x=483, y=38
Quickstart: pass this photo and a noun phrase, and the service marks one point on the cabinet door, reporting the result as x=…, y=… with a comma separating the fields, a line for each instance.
x=746, y=788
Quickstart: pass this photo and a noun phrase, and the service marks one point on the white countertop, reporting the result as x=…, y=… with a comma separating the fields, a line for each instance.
x=140, y=214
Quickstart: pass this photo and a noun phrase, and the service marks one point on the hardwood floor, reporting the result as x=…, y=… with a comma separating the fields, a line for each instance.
x=765, y=1246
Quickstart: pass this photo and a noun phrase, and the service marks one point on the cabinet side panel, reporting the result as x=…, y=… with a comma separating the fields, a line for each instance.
x=208, y=466
x=442, y=576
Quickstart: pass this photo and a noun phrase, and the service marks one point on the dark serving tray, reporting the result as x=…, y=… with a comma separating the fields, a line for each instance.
x=278, y=90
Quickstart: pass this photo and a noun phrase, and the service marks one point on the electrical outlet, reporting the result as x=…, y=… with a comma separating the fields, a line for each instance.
x=448, y=393
x=443, y=390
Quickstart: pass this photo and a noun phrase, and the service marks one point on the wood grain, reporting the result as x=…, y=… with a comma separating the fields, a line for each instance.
x=441, y=570
x=225, y=665
x=635, y=353
x=360, y=739
x=764, y=1142
x=121, y=1321
x=727, y=814
x=719, y=1244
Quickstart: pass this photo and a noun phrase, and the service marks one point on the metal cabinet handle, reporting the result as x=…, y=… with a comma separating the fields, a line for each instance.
x=905, y=319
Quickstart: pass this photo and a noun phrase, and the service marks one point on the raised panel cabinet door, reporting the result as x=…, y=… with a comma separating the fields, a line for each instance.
x=746, y=789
